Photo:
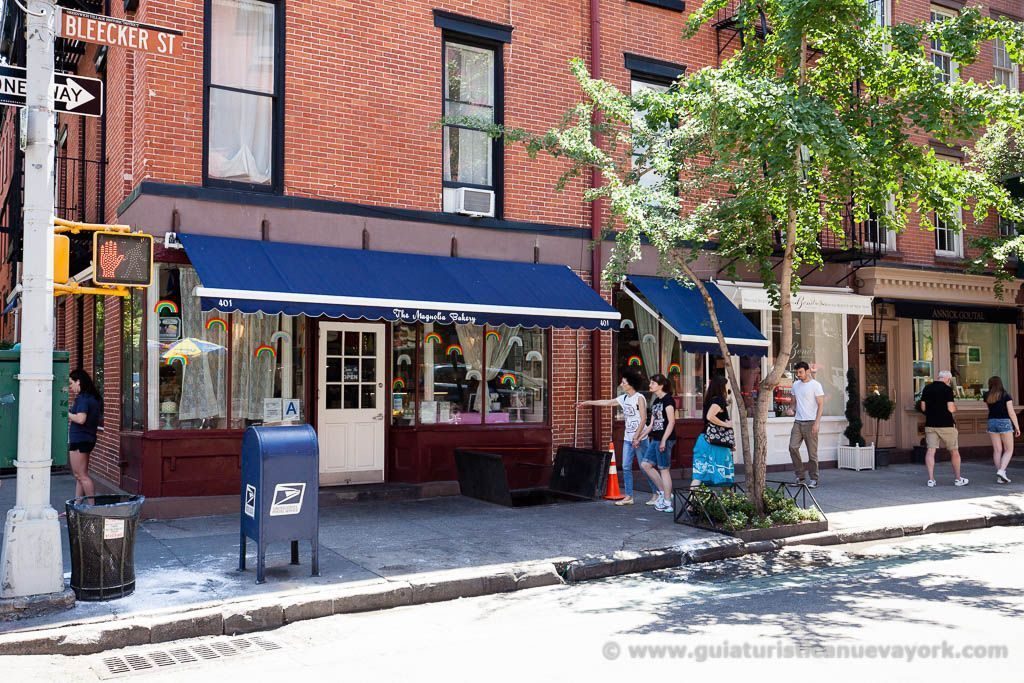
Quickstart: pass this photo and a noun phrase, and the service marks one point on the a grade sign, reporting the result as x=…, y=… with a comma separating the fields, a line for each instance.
x=93, y=28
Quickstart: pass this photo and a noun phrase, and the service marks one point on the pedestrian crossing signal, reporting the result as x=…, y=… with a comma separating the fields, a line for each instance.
x=122, y=258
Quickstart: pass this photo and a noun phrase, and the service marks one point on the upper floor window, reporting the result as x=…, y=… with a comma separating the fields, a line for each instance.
x=471, y=89
x=942, y=58
x=1005, y=71
x=649, y=177
x=1007, y=228
x=948, y=237
x=874, y=235
x=880, y=12
x=242, y=93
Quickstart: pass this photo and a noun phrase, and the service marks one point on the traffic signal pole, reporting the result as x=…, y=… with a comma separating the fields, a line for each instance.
x=30, y=562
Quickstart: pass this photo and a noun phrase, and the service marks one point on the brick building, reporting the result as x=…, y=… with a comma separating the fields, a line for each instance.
x=286, y=129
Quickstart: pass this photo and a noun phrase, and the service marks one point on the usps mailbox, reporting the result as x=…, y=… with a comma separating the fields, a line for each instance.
x=280, y=477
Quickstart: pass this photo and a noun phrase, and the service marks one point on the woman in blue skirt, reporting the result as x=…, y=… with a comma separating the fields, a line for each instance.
x=713, y=464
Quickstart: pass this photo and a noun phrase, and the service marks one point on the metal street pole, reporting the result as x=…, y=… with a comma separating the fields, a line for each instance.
x=31, y=561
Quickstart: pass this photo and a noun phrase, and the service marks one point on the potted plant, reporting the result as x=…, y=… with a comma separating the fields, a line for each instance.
x=858, y=455
x=880, y=407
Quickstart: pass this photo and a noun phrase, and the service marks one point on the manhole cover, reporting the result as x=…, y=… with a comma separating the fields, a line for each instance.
x=169, y=658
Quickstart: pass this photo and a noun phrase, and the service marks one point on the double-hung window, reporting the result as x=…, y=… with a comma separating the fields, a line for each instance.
x=1007, y=228
x=471, y=157
x=941, y=57
x=1005, y=71
x=879, y=11
x=648, y=177
x=948, y=237
x=243, y=103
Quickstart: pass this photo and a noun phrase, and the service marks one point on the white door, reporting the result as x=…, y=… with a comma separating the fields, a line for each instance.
x=350, y=403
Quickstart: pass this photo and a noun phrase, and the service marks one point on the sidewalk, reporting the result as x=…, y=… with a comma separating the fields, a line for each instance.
x=384, y=554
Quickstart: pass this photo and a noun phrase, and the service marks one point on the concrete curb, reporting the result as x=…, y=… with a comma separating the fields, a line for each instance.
x=272, y=611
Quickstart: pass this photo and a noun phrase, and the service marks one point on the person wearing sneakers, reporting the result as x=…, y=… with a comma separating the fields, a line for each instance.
x=810, y=402
x=938, y=407
x=1002, y=426
x=634, y=412
x=656, y=461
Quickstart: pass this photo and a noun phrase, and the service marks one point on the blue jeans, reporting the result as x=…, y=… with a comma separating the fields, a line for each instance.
x=628, y=454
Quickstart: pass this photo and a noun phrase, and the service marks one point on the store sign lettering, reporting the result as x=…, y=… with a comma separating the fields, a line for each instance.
x=441, y=317
x=952, y=314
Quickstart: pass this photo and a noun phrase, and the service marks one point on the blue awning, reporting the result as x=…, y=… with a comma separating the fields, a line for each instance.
x=300, y=279
x=682, y=310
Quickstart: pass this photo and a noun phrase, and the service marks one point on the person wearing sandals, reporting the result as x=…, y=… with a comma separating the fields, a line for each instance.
x=84, y=417
x=713, y=464
x=656, y=461
x=1002, y=426
x=634, y=411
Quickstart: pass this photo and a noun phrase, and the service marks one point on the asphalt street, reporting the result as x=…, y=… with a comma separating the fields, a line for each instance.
x=937, y=607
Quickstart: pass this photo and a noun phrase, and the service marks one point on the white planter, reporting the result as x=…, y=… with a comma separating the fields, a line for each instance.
x=857, y=457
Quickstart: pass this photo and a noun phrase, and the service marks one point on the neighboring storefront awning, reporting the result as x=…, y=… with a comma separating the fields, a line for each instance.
x=276, y=277
x=755, y=298
x=682, y=310
x=933, y=310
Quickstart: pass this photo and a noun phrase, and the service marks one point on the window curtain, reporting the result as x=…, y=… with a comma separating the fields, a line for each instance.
x=204, y=373
x=470, y=92
x=498, y=351
x=668, y=343
x=240, y=123
x=252, y=377
x=648, y=328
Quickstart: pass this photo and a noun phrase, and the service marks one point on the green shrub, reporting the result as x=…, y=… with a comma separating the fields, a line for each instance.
x=733, y=511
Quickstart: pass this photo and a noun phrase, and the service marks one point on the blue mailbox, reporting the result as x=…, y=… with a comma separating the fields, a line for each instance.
x=280, y=487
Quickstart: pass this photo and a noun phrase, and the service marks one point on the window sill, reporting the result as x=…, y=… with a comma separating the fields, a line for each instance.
x=675, y=5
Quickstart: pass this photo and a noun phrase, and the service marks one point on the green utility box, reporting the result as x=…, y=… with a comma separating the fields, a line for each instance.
x=10, y=365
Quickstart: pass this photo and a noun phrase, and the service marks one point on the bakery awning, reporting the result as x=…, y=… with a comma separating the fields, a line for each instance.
x=276, y=277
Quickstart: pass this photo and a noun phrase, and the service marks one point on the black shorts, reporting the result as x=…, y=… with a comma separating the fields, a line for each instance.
x=82, y=446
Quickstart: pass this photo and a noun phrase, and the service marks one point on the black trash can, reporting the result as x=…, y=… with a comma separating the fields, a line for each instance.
x=101, y=534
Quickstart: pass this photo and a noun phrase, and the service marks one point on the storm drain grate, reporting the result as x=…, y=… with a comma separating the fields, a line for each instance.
x=154, y=660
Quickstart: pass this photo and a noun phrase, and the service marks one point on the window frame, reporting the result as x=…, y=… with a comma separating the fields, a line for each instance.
x=885, y=14
x=1013, y=72
x=130, y=421
x=277, y=139
x=936, y=14
x=889, y=245
x=496, y=48
x=958, y=236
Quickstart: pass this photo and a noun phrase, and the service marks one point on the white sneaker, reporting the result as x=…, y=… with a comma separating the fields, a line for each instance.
x=655, y=501
x=1001, y=477
x=962, y=481
x=812, y=483
x=931, y=483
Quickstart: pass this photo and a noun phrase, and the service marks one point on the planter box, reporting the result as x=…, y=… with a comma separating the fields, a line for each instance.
x=775, y=532
x=857, y=457
x=702, y=519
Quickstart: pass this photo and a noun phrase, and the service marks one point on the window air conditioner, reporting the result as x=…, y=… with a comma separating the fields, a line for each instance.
x=473, y=202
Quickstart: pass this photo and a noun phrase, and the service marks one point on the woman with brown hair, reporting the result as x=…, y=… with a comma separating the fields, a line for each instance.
x=1002, y=426
x=84, y=417
x=712, y=463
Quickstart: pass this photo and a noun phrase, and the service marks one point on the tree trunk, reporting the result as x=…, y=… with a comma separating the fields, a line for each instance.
x=730, y=371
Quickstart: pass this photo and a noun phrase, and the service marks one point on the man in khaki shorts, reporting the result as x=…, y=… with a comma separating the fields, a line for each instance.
x=939, y=426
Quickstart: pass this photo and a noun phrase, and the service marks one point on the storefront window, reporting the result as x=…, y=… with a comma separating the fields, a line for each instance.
x=978, y=351
x=265, y=355
x=818, y=341
x=451, y=375
x=516, y=374
x=98, y=341
x=403, y=374
x=132, y=334
x=637, y=339
x=924, y=355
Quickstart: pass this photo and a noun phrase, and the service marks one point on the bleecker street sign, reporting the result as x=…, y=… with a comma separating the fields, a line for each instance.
x=93, y=28
x=71, y=94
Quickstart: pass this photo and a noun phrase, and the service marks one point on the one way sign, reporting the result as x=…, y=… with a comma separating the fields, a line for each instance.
x=71, y=94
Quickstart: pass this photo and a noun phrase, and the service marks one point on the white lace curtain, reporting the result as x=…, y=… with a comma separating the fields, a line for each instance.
x=648, y=328
x=252, y=376
x=202, y=384
x=242, y=57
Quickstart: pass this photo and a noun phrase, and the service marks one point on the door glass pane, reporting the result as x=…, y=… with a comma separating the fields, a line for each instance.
x=369, y=343
x=369, y=370
x=333, y=369
x=369, y=396
x=876, y=363
x=351, y=396
x=334, y=343
x=333, y=396
x=351, y=370
x=351, y=343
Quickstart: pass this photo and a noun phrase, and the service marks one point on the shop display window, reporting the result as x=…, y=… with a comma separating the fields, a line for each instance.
x=817, y=340
x=924, y=355
x=978, y=351
x=403, y=374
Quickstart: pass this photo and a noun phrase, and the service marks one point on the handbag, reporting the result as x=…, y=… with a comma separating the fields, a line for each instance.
x=720, y=436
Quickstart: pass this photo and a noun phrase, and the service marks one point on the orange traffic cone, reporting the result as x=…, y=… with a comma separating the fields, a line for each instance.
x=612, y=492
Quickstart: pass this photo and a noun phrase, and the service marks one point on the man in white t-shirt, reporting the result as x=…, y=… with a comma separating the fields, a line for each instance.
x=810, y=402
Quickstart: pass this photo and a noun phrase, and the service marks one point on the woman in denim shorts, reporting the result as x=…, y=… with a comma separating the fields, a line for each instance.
x=1002, y=426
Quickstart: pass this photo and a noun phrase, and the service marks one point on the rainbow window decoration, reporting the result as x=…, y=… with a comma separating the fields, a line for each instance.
x=493, y=335
x=217, y=324
x=508, y=380
x=283, y=336
x=264, y=351
x=398, y=385
x=182, y=360
x=634, y=362
x=454, y=348
x=675, y=369
x=432, y=338
x=166, y=306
